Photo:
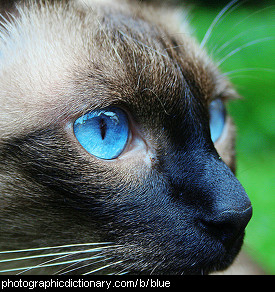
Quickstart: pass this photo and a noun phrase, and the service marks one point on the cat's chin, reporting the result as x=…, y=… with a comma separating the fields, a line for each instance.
x=213, y=257
x=219, y=259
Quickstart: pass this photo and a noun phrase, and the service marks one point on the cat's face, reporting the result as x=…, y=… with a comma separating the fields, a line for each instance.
x=155, y=190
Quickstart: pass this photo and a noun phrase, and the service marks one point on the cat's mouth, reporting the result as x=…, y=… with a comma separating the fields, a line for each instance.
x=198, y=250
x=198, y=262
x=220, y=259
x=213, y=257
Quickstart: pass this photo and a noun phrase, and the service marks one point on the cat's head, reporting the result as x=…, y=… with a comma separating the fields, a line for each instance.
x=114, y=130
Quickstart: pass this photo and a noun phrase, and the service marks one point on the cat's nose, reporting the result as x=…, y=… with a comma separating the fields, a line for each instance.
x=227, y=225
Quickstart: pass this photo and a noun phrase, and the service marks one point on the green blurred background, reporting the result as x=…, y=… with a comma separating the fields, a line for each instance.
x=249, y=29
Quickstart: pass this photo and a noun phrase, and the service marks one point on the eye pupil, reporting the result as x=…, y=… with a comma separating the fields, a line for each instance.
x=103, y=128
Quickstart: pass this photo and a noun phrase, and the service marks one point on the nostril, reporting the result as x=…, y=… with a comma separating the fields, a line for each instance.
x=220, y=230
x=225, y=232
x=228, y=225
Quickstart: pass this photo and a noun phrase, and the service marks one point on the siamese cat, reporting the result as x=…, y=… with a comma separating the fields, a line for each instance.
x=116, y=151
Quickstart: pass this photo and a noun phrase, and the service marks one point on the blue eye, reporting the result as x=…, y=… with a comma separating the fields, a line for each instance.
x=217, y=118
x=103, y=133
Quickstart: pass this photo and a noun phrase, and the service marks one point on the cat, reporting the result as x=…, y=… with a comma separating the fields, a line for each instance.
x=116, y=150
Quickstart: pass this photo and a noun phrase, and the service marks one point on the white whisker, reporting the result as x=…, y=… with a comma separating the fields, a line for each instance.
x=102, y=268
x=247, y=70
x=243, y=47
x=246, y=77
x=252, y=14
x=46, y=264
x=25, y=269
x=101, y=254
x=217, y=19
x=62, y=254
x=226, y=44
x=54, y=247
x=244, y=32
x=81, y=267
x=51, y=255
x=125, y=270
x=122, y=273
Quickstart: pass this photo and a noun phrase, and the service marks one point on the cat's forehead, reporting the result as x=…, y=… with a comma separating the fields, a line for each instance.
x=58, y=61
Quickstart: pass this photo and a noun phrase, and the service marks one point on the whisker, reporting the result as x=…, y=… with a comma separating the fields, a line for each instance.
x=101, y=254
x=98, y=249
x=243, y=47
x=102, y=268
x=25, y=269
x=246, y=77
x=217, y=19
x=226, y=44
x=244, y=32
x=54, y=247
x=81, y=267
x=124, y=271
x=247, y=70
x=252, y=14
x=60, y=255
x=45, y=264
x=50, y=255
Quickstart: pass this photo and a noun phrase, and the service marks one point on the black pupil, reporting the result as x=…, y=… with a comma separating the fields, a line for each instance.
x=103, y=128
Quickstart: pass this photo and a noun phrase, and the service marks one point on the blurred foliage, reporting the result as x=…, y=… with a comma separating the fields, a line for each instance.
x=222, y=3
x=213, y=3
x=245, y=38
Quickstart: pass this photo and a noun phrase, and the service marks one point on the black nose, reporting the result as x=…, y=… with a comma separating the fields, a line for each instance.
x=219, y=203
x=226, y=208
x=227, y=225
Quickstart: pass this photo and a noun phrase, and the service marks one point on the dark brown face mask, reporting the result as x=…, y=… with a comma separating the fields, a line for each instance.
x=168, y=202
